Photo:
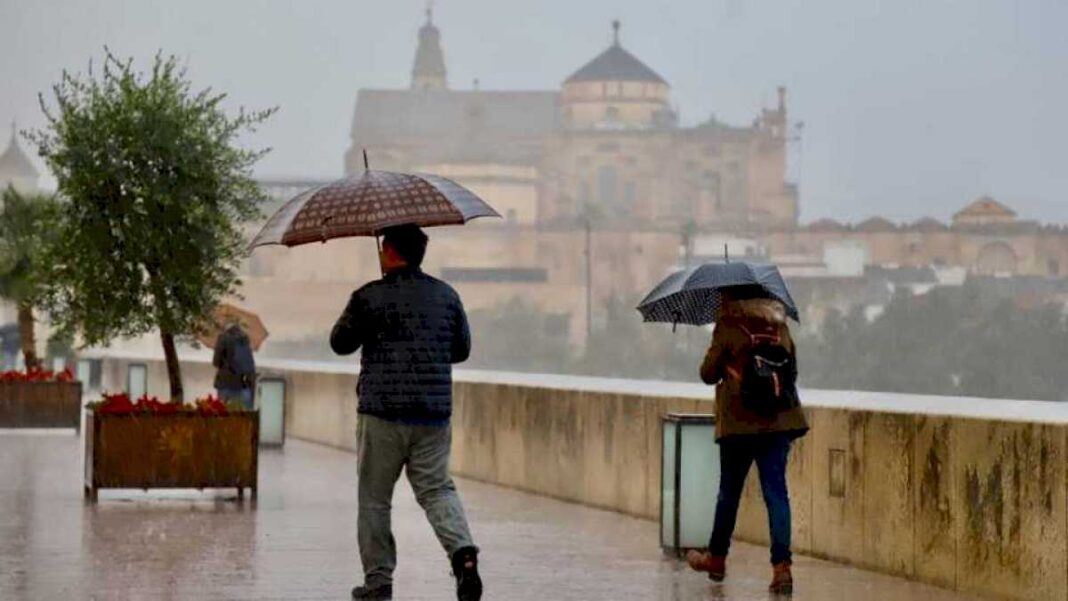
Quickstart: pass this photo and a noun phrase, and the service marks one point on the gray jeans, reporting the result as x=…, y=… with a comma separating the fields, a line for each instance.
x=384, y=448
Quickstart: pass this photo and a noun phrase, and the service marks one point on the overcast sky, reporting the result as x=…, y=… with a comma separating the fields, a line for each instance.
x=911, y=107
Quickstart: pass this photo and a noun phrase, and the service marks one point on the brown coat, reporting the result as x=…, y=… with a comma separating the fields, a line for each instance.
x=723, y=363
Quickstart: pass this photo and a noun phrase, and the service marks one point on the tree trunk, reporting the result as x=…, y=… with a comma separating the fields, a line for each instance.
x=174, y=369
x=26, y=335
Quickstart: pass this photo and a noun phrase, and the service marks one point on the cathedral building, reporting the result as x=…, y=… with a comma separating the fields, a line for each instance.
x=607, y=142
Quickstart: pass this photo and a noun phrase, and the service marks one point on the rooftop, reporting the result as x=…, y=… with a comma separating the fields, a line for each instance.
x=14, y=162
x=451, y=123
x=615, y=64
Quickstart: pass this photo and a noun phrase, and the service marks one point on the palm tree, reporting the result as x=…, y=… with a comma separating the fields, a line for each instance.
x=26, y=226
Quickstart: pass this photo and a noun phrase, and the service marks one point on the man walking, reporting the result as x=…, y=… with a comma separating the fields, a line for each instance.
x=412, y=328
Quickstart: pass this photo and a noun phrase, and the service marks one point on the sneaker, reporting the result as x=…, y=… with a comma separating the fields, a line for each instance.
x=782, y=581
x=465, y=569
x=378, y=593
x=703, y=561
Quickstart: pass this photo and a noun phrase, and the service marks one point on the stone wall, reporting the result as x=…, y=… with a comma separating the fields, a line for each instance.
x=976, y=505
x=966, y=494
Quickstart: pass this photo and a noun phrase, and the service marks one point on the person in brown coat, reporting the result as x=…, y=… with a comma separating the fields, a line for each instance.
x=753, y=424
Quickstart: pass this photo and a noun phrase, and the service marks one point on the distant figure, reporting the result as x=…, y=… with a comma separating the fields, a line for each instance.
x=412, y=328
x=235, y=375
x=752, y=361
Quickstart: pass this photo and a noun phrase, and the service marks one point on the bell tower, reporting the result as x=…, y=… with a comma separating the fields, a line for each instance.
x=428, y=72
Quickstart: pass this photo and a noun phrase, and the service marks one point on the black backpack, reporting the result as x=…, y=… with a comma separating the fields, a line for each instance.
x=769, y=375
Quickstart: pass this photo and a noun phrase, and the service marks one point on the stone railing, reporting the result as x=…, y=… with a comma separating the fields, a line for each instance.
x=968, y=494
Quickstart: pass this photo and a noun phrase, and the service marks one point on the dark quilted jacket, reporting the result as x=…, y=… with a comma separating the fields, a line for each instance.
x=412, y=328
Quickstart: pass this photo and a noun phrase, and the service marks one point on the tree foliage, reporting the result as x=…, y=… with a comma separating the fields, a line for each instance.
x=158, y=191
x=516, y=336
x=28, y=226
x=27, y=229
x=952, y=341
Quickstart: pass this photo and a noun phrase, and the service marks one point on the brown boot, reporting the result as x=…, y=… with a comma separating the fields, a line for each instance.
x=703, y=561
x=782, y=581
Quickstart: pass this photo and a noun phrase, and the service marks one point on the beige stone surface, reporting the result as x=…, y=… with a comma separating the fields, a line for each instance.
x=838, y=527
x=888, y=509
x=1010, y=509
x=799, y=476
x=934, y=493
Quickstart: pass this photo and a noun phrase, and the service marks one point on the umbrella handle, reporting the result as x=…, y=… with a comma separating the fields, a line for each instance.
x=378, y=246
x=322, y=226
x=675, y=324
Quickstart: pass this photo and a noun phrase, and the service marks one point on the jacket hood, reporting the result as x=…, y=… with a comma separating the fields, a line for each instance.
x=766, y=309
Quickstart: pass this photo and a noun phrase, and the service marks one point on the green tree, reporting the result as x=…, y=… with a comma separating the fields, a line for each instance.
x=951, y=341
x=27, y=229
x=516, y=335
x=626, y=347
x=158, y=191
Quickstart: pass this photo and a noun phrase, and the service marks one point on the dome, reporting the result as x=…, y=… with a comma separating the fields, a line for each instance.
x=615, y=64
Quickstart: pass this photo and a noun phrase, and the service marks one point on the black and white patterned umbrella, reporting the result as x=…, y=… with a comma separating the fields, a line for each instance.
x=692, y=296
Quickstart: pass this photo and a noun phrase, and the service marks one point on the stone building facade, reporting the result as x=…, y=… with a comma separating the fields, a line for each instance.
x=602, y=168
x=608, y=141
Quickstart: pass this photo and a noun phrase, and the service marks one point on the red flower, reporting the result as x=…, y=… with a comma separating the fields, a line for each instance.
x=121, y=403
x=115, y=403
x=37, y=375
x=211, y=406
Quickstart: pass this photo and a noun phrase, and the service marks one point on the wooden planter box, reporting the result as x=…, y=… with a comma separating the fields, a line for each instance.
x=184, y=450
x=40, y=404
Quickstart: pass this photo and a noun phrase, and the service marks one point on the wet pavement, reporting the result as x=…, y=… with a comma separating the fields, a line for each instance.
x=297, y=541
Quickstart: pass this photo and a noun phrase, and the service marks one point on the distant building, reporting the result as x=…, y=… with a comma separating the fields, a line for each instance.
x=986, y=238
x=16, y=169
x=607, y=140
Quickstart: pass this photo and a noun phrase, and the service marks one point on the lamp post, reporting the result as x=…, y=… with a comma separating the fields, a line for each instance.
x=589, y=213
x=589, y=280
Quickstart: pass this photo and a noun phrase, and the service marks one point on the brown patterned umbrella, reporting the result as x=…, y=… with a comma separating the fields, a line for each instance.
x=368, y=203
x=223, y=316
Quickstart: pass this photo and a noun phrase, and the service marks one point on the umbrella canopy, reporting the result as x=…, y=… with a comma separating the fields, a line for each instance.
x=366, y=204
x=692, y=296
x=224, y=315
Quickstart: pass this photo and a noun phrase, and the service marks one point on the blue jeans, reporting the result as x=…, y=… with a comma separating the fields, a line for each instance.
x=237, y=394
x=736, y=455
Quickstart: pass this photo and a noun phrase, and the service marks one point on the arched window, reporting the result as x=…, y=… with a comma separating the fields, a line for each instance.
x=996, y=258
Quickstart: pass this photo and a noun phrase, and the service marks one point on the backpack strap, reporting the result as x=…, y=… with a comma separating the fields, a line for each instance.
x=755, y=339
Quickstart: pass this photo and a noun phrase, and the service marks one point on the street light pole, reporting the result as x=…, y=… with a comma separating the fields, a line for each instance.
x=589, y=279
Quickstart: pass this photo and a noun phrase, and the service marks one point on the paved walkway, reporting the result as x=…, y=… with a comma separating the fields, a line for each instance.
x=298, y=541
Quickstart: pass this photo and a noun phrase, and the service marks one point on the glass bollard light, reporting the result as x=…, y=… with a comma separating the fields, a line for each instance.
x=85, y=371
x=272, y=406
x=689, y=481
